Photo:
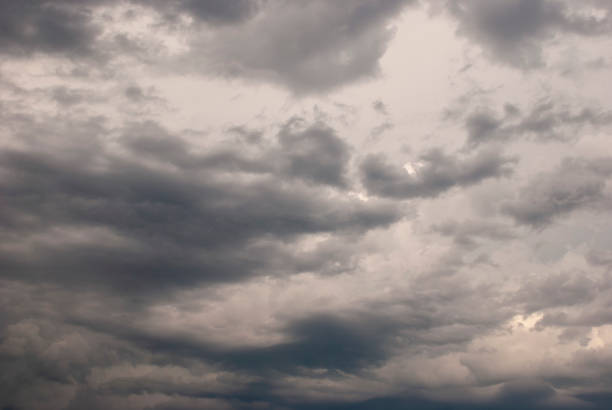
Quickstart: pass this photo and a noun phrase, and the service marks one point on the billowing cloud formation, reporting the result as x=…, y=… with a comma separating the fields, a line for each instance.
x=515, y=31
x=173, y=219
x=434, y=173
x=47, y=26
x=204, y=205
x=307, y=46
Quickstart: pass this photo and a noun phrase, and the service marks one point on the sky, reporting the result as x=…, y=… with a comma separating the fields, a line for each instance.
x=305, y=204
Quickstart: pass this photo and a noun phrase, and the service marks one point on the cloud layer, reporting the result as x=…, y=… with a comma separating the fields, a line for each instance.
x=283, y=204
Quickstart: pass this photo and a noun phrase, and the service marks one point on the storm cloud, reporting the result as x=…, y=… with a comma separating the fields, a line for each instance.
x=286, y=204
x=90, y=213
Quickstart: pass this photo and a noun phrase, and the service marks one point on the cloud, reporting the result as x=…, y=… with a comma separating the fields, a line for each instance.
x=216, y=12
x=68, y=27
x=516, y=32
x=575, y=184
x=63, y=27
x=309, y=47
x=315, y=154
x=133, y=217
x=69, y=97
x=436, y=172
x=380, y=107
x=308, y=152
x=321, y=342
x=558, y=290
x=525, y=393
x=467, y=233
x=94, y=217
x=545, y=121
x=168, y=241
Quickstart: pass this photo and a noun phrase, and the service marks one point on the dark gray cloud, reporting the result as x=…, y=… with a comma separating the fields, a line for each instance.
x=575, y=184
x=68, y=97
x=585, y=314
x=562, y=289
x=207, y=11
x=307, y=46
x=67, y=26
x=545, y=121
x=482, y=126
x=119, y=358
x=468, y=233
x=112, y=356
x=515, y=32
x=206, y=219
x=64, y=27
x=140, y=96
x=309, y=152
x=133, y=217
x=435, y=173
x=528, y=397
x=321, y=342
x=104, y=346
x=170, y=242
x=315, y=154
x=523, y=393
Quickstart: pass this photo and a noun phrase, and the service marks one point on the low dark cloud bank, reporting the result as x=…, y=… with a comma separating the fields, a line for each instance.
x=150, y=217
x=179, y=218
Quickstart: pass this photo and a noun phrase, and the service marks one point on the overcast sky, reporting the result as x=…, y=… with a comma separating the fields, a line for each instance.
x=305, y=204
